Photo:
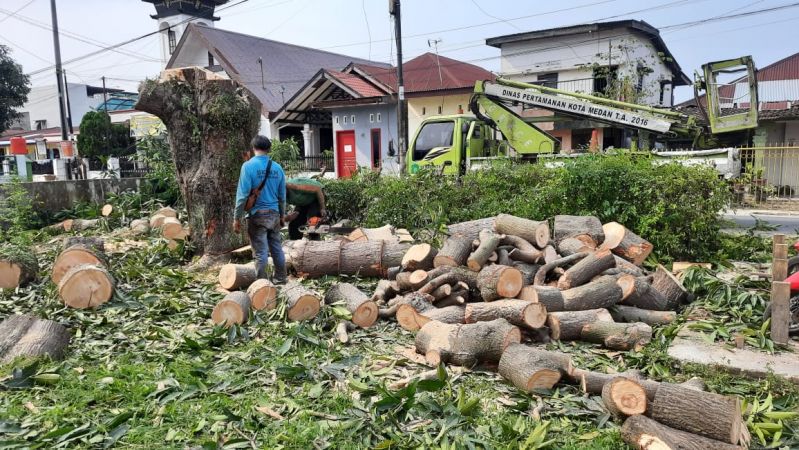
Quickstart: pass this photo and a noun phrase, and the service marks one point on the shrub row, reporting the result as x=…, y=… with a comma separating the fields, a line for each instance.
x=676, y=207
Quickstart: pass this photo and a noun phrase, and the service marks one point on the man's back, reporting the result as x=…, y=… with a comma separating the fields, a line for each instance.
x=252, y=174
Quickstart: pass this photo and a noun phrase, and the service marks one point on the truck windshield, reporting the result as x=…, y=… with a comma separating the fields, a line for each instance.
x=432, y=135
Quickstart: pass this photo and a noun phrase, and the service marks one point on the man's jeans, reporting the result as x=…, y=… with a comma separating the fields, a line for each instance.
x=264, y=231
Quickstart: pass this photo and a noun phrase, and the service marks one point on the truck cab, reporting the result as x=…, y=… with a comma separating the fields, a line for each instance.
x=451, y=142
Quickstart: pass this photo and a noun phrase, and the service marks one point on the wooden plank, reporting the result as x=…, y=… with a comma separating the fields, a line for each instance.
x=779, y=270
x=780, y=312
x=780, y=251
x=778, y=239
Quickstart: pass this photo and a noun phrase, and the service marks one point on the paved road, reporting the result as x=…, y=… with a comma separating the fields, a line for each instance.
x=786, y=223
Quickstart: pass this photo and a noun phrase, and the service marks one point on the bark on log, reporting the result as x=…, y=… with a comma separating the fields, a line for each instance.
x=457, y=298
x=523, y=251
x=96, y=244
x=411, y=281
x=75, y=256
x=541, y=275
x=466, y=345
x=643, y=433
x=593, y=382
x=410, y=298
x=384, y=291
x=617, y=336
x=341, y=332
x=140, y=226
x=498, y=281
x=86, y=286
x=410, y=313
x=550, y=254
x=670, y=287
x=81, y=224
x=301, y=302
x=470, y=229
x=441, y=292
x=625, y=243
x=704, y=413
x=570, y=246
x=550, y=297
x=502, y=257
x=391, y=272
x=586, y=227
x=532, y=231
x=529, y=368
x=622, y=313
x=624, y=397
x=234, y=309
x=528, y=271
x=263, y=295
x=587, y=268
x=644, y=296
x=237, y=276
x=23, y=335
x=315, y=259
x=419, y=256
x=488, y=244
x=363, y=310
x=601, y=293
x=451, y=277
x=17, y=269
x=210, y=121
x=517, y=312
x=568, y=325
x=454, y=252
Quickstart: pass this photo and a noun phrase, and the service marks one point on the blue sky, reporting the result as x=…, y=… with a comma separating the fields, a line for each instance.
x=363, y=28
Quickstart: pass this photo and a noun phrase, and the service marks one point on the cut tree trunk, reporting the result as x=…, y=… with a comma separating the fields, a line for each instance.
x=171, y=228
x=167, y=211
x=498, y=281
x=532, y=231
x=624, y=397
x=86, y=286
x=263, y=295
x=704, y=413
x=237, y=276
x=622, y=313
x=157, y=220
x=670, y=287
x=301, y=302
x=452, y=277
x=601, y=293
x=584, y=227
x=625, y=243
x=17, y=268
x=315, y=259
x=518, y=312
x=528, y=271
x=550, y=297
x=541, y=275
x=384, y=291
x=140, y=226
x=419, y=256
x=529, y=368
x=23, y=335
x=234, y=309
x=471, y=228
x=593, y=382
x=488, y=244
x=107, y=209
x=363, y=310
x=454, y=252
x=587, y=268
x=410, y=313
x=644, y=296
x=448, y=314
x=210, y=121
x=75, y=256
x=466, y=345
x=96, y=244
x=568, y=325
x=643, y=433
x=82, y=224
x=617, y=336
x=570, y=246
x=523, y=250
x=442, y=292
x=411, y=281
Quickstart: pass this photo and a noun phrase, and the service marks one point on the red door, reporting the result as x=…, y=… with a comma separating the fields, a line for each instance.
x=345, y=153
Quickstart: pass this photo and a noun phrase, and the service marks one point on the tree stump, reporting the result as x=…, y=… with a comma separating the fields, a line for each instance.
x=171, y=228
x=301, y=302
x=23, y=335
x=529, y=368
x=617, y=336
x=625, y=243
x=363, y=310
x=86, y=286
x=532, y=231
x=624, y=397
x=166, y=211
x=157, y=220
x=643, y=433
x=234, y=309
x=670, y=287
x=498, y=281
x=263, y=295
x=470, y=229
x=622, y=313
x=704, y=413
x=466, y=345
x=454, y=252
x=585, y=228
x=587, y=268
x=237, y=276
x=75, y=256
x=517, y=312
x=419, y=256
x=140, y=226
x=18, y=266
x=568, y=325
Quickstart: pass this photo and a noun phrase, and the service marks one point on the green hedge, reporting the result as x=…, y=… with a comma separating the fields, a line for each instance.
x=674, y=206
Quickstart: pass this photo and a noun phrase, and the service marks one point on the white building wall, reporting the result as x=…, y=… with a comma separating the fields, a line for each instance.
x=365, y=120
x=42, y=104
x=178, y=24
x=572, y=57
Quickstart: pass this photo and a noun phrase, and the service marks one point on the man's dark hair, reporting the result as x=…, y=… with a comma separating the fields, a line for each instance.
x=261, y=143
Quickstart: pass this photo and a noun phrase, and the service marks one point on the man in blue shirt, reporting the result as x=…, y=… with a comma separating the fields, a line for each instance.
x=265, y=219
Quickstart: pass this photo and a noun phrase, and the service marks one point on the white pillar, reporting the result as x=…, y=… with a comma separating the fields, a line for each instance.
x=307, y=139
x=22, y=167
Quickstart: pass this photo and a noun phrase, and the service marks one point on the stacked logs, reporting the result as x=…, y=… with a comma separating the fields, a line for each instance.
x=81, y=273
x=166, y=222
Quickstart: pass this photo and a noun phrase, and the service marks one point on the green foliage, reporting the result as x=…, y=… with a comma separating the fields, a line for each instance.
x=14, y=88
x=287, y=153
x=17, y=211
x=99, y=137
x=161, y=183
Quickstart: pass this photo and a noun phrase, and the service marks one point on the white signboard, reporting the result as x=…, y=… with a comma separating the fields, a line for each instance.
x=578, y=107
x=347, y=148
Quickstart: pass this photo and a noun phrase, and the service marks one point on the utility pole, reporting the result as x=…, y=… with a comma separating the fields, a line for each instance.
x=59, y=72
x=105, y=96
x=69, y=105
x=402, y=107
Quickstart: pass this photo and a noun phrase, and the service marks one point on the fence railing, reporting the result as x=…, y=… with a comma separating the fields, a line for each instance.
x=308, y=163
x=769, y=178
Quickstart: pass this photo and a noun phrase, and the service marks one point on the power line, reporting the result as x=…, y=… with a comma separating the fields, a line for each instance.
x=368, y=30
x=731, y=16
x=474, y=2
x=17, y=10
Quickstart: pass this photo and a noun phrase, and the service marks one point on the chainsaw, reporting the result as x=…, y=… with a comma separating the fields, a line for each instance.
x=316, y=227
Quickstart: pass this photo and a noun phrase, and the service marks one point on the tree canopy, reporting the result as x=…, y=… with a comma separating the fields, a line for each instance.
x=99, y=137
x=14, y=88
